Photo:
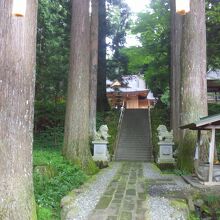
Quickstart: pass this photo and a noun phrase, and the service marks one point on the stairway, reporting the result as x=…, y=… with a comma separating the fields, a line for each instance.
x=134, y=142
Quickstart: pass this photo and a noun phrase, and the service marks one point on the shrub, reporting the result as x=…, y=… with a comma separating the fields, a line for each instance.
x=49, y=189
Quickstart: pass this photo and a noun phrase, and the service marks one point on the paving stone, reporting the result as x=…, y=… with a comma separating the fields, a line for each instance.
x=125, y=197
x=119, y=191
x=112, y=218
x=122, y=188
x=140, y=217
x=142, y=195
x=98, y=215
x=109, y=192
x=126, y=216
x=128, y=206
x=117, y=201
x=140, y=203
x=103, y=202
x=132, y=182
x=113, y=209
x=118, y=196
x=130, y=192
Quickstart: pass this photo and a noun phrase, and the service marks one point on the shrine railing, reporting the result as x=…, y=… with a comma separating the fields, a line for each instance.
x=122, y=110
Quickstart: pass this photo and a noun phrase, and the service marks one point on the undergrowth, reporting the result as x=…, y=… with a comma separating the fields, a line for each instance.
x=54, y=177
x=110, y=118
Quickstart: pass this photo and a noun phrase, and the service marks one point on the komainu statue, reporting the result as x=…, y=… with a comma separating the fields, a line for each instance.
x=164, y=134
x=102, y=133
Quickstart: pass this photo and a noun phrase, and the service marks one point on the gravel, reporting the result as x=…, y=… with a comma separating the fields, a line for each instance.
x=85, y=202
x=151, y=172
x=159, y=207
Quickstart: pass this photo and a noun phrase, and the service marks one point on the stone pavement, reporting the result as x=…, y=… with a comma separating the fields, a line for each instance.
x=129, y=191
x=125, y=197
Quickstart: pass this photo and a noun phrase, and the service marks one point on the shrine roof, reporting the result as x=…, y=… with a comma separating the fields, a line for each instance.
x=213, y=75
x=205, y=123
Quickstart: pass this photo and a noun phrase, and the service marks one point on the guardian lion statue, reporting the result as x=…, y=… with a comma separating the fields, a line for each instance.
x=102, y=133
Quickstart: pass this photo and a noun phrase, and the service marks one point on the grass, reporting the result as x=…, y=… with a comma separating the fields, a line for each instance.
x=54, y=177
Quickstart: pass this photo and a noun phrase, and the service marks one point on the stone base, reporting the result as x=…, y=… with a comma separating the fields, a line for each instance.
x=167, y=161
x=100, y=158
x=100, y=151
x=166, y=153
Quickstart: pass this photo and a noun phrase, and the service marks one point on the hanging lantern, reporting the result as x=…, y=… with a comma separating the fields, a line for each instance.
x=19, y=8
x=182, y=7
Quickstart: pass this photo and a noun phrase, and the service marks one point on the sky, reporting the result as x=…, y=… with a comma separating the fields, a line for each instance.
x=135, y=6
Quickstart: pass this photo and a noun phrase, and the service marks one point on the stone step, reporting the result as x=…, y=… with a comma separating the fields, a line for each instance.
x=134, y=145
x=132, y=149
x=145, y=159
x=134, y=139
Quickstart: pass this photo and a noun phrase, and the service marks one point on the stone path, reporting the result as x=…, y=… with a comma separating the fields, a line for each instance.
x=140, y=192
x=130, y=191
x=125, y=196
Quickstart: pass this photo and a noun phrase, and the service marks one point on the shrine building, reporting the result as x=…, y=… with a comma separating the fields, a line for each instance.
x=130, y=92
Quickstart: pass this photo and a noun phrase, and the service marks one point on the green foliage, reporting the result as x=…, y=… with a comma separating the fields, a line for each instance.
x=137, y=58
x=53, y=37
x=165, y=98
x=118, y=21
x=44, y=213
x=213, y=33
x=175, y=171
x=193, y=216
x=153, y=57
x=49, y=124
x=110, y=118
x=215, y=109
x=211, y=208
x=49, y=189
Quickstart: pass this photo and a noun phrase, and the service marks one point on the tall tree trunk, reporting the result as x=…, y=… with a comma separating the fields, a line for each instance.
x=176, y=38
x=17, y=79
x=76, y=136
x=101, y=89
x=94, y=65
x=193, y=78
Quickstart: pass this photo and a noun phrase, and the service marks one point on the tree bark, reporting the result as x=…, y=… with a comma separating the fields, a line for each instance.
x=17, y=79
x=193, y=77
x=102, y=102
x=94, y=65
x=76, y=136
x=176, y=38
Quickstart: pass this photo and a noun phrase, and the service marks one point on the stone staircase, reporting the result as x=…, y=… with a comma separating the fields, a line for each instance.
x=134, y=142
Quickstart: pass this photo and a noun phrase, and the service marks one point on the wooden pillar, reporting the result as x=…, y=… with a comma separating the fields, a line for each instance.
x=211, y=155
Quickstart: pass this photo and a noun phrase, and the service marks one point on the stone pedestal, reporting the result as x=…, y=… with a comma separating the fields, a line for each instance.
x=166, y=152
x=101, y=150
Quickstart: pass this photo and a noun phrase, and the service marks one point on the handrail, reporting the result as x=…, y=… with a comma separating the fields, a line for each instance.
x=121, y=115
x=122, y=110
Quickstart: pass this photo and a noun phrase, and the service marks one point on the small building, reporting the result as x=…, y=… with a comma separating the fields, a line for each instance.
x=130, y=92
x=213, y=86
x=207, y=171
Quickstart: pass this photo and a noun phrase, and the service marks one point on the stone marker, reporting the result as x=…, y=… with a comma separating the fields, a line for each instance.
x=166, y=145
